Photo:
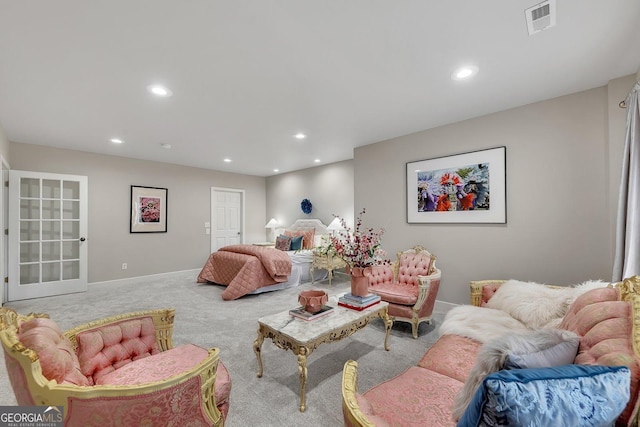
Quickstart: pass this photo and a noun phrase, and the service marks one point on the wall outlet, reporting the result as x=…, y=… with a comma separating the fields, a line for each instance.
x=124, y=265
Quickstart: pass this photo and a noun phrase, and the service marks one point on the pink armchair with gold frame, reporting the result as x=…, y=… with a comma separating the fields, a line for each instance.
x=410, y=286
x=122, y=370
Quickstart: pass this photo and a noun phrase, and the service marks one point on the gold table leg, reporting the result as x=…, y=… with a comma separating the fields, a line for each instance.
x=302, y=370
x=388, y=323
x=257, y=348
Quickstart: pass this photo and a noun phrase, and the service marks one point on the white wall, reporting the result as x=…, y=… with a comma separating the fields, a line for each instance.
x=4, y=144
x=328, y=187
x=185, y=245
x=559, y=193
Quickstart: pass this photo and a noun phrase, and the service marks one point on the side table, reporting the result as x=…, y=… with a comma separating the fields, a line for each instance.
x=326, y=262
x=265, y=244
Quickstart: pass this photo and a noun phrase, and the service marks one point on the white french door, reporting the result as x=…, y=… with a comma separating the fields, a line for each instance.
x=227, y=218
x=47, y=234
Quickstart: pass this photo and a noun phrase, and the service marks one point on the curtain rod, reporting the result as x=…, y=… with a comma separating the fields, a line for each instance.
x=623, y=103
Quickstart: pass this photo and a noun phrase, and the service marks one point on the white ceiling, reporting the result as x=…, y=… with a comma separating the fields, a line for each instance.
x=247, y=75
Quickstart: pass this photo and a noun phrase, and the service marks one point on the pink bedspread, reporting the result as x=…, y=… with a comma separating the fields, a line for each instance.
x=245, y=268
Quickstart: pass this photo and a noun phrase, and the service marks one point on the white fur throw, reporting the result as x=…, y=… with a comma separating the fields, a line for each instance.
x=493, y=356
x=535, y=304
x=479, y=323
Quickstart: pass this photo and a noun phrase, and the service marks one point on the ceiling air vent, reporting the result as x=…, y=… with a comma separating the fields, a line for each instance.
x=541, y=16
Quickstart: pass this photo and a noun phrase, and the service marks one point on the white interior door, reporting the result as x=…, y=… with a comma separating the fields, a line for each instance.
x=47, y=234
x=227, y=217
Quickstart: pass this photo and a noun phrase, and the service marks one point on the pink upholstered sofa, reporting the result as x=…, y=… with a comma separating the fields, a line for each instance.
x=122, y=370
x=605, y=319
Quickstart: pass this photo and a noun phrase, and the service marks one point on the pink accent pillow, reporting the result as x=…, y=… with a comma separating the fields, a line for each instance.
x=57, y=358
x=307, y=236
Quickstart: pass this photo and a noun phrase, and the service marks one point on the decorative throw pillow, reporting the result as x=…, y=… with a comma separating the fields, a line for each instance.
x=307, y=236
x=575, y=395
x=543, y=347
x=296, y=243
x=283, y=242
x=57, y=358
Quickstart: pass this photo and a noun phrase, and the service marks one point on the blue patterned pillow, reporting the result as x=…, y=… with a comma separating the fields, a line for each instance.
x=296, y=243
x=574, y=395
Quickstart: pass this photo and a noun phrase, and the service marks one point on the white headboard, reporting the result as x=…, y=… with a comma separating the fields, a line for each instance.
x=306, y=223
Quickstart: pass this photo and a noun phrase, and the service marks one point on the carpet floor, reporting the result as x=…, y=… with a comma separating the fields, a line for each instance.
x=203, y=318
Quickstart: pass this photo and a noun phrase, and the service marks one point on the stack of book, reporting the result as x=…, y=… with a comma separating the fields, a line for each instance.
x=303, y=314
x=355, y=302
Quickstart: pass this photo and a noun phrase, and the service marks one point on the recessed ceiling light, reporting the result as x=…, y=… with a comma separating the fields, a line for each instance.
x=227, y=160
x=159, y=90
x=300, y=135
x=317, y=160
x=276, y=170
x=116, y=140
x=166, y=146
x=464, y=73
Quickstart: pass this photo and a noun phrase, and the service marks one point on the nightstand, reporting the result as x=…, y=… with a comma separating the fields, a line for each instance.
x=326, y=262
x=266, y=244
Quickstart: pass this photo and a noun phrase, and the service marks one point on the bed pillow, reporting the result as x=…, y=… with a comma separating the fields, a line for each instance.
x=296, y=243
x=283, y=243
x=307, y=236
x=579, y=395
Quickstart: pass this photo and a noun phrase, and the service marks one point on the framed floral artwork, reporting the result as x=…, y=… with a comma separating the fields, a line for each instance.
x=148, y=210
x=461, y=188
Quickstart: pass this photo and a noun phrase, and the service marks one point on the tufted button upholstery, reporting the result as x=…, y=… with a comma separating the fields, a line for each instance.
x=412, y=265
x=380, y=275
x=102, y=351
x=408, y=300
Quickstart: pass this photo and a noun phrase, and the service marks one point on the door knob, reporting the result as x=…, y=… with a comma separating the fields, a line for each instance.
x=82, y=239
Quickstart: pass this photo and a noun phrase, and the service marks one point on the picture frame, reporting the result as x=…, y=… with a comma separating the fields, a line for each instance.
x=148, y=209
x=460, y=188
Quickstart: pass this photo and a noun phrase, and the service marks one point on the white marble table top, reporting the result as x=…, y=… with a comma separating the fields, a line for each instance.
x=305, y=331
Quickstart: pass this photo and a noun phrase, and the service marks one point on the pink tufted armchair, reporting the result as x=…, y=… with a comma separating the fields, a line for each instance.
x=122, y=370
x=409, y=285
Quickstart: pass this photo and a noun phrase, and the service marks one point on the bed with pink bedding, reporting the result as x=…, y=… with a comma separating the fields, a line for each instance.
x=253, y=269
x=245, y=268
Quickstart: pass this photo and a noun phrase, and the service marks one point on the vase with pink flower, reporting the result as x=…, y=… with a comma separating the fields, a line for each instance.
x=360, y=249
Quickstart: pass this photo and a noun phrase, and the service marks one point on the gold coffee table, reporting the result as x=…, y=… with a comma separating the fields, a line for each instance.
x=302, y=337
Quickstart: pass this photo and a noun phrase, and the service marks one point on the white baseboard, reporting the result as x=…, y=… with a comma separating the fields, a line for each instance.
x=443, y=305
x=150, y=276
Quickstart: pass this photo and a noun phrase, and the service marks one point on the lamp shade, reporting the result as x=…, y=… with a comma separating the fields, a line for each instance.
x=335, y=225
x=272, y=223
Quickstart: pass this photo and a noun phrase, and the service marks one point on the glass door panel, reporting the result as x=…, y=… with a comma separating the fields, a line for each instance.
x=49, y=218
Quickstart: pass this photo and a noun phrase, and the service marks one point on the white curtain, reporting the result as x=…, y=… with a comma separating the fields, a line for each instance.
x=627, y=259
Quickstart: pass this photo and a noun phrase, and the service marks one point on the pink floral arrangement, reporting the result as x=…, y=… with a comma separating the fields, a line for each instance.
x=360, y=248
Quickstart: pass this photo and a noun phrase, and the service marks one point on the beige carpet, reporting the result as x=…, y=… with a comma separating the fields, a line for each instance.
x=203, y=318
